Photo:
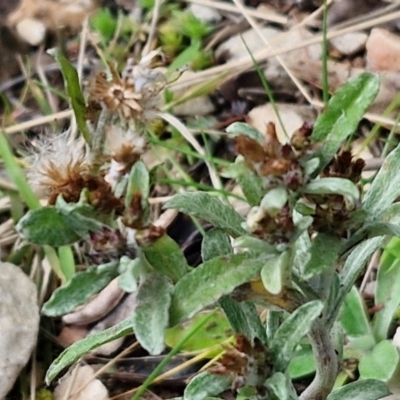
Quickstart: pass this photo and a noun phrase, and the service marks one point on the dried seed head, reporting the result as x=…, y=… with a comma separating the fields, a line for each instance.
x=248, y=364
x=125, y=147
x=343, y=166
x=57, y=166
x=135, y=95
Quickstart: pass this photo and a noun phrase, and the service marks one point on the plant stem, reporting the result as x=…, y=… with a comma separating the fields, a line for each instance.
x=326, y=363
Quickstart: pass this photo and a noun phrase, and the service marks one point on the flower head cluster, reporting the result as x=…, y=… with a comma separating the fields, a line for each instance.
x=248, y=364
x=57, y=163
x=61, y=167
x=134, y=95
x=285, y=176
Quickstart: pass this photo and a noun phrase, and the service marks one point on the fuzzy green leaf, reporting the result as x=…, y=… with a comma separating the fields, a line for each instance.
x=324, y=252
x=274, y=271
x=215, y=243
x=216, y=331
x=243, y=318
x=207, y=207
x=367, y=389
x=80, y=348
x=386, y=186
x=254, y=245
x=250, y=183
x=74, y=93
x=353, y=266
x=345, y=110
x=274, y=200
x=281, y=387
x=302, y=363
x=138, y=184
x=206, y=384
x=211, y=280
x=166, y=257
x=53, y=227
x=387, y=293
x=381, y=363
x=355, y=321
x=340, y=186
x=291, y=331
x=79, y=289
x=150, y=317
x=241, y=128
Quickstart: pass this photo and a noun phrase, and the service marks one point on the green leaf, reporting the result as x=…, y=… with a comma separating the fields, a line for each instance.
x=324, y=253
x=215, y=243
x=186, y=56
x=241, y=128
x=150, y=317
x=252, y=185
x=206, y=384
x=274, y=272
x=74, y=93
x=129, y=273
x=138, y=184
x=211, y=280
x=291, y=331
x=244, y=318
x=345, y=110
x=80, y=348
x=355, y=321
x=302, y=363
x=254, y=245
x=352, y=268
x=387, y=294
x=54, y=227
x=216, y=331
x=274, y=200
x=385, y=188
x=368, y=389
x=380, y=363
x=104, y=23
x=79, y=289
x=380, y=229
x=281, y=387
x=166, y=257
x=340, y=186
x=207, y=207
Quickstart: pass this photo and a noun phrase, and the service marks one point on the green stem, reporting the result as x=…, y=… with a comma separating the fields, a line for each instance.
x=326, y=361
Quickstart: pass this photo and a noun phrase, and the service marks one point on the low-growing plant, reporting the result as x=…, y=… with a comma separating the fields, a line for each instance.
x=297, y=253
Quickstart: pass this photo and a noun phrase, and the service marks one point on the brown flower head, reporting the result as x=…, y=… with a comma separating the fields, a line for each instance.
x=57, y=165
x=343, y=166
x=136, y=94
x=248, y=364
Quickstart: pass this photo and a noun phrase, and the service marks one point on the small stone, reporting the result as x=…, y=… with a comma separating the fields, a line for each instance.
x=350, y=43
x=31, y=31
x=383, y=51
x=19, y=323
x=293, y=117
x=204, y=13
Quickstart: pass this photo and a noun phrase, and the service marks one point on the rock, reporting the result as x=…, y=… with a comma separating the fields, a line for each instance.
x=293, y=116
x=81, y=385
x=350, y=43
x=234, y=49
x=204, y=13
x=19, y=323
x=383, y=51
x=31, y=30
x=197, y=106
x=342, y=10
